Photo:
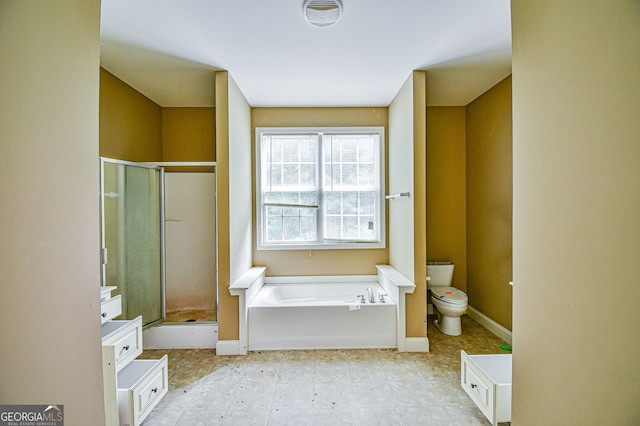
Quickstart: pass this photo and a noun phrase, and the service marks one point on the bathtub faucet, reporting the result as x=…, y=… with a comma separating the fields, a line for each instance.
x=370, y=295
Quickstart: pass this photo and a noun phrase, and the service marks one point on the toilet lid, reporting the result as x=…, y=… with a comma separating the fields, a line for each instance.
x=449, y=295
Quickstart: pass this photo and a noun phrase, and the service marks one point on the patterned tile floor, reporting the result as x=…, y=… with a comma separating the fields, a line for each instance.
x=324, y=387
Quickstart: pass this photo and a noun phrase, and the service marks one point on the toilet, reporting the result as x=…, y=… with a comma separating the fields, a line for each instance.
x=449, y=303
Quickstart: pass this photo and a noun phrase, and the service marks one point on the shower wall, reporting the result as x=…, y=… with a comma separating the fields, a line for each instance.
x=190, y=244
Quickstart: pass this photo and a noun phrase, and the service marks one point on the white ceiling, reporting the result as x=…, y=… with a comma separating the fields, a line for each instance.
x=168, y=50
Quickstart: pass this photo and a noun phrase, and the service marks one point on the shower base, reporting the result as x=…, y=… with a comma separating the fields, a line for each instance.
x=191, y=316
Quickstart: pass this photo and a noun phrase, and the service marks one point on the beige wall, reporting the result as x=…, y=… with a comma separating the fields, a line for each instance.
x=188, y=134
x=407, y=173
x=233, y=151
x=49, y=263
x=576, y=233
x=317, y=262
x=446, y=189
x=130, y=123
x=489, y=203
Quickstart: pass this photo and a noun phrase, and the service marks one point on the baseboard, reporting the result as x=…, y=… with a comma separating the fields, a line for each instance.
x=416, y=344
x=230, y=347
x=181, y=336
x=490, y=324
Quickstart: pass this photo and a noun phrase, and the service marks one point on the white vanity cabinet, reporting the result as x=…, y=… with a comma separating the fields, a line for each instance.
x=487, y=380
x=132, y=387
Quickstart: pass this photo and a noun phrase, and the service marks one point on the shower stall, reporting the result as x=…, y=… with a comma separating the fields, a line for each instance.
x=159, y=240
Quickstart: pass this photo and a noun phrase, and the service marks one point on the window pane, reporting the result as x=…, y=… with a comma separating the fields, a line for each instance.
x=367, y=203
x=350, y=185
x=308, y=227
x=309, y=150
x=308, y=175
x=366, y=228
x=274, y=227
x=290, y=151
x=349, y=174
x=350, y=227
x=349, y=202
x=365, y=175
x=274, y=175
x=333, y=203
x=274, y=150
x=291, y=227
x=308, y=198
x=291, y=175
x=366, y=150
x=349, y=148
x=333, y=227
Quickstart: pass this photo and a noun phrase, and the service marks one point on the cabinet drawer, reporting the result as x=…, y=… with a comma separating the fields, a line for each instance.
x=487, y=380
x=480, y=390
x=126, y=337
x=141, y=385
x=110, y=308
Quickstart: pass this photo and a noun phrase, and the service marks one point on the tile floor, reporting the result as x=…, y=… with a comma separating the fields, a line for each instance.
x=325, y=387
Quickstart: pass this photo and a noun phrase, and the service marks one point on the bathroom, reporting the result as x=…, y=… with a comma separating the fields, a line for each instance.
x=563, y=175
x=443, y=233
x=468, y=187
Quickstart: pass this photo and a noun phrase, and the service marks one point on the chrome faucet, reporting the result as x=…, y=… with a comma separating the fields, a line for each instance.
x=370, y=295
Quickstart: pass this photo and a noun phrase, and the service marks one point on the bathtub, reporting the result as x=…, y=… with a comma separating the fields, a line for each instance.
x=320, y=312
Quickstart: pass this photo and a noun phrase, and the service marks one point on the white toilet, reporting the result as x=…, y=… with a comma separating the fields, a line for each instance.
x=449, y=303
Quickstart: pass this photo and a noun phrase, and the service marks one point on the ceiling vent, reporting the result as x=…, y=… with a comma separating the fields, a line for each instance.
x=322, y=13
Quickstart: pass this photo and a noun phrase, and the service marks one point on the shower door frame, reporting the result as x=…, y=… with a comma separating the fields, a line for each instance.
x=103, y=263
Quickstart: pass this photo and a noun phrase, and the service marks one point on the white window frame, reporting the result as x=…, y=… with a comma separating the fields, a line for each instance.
x=379, y=217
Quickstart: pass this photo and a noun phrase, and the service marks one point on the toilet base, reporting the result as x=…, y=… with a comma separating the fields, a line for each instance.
x=451, y=326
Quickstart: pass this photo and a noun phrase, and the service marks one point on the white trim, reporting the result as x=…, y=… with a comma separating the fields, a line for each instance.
x=416, y=344
x=246, y=287
x=181, y=336
x=230, y=347
x=182, y=163
x=490, y=324
x=397, y=286
x=307, y=279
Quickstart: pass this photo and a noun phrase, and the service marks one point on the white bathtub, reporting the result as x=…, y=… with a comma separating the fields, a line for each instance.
x=321, y=313
x=314, y=313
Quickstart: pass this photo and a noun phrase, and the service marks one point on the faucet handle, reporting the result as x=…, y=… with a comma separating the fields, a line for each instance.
x=362, y=299
x=381, y=297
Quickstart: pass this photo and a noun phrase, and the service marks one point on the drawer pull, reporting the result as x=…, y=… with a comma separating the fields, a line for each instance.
x=125, y=348
x=473, y=386
x=154, y=390
x=104, y=314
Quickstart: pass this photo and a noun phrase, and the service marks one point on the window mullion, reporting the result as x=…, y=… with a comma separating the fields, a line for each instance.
x=320, y=193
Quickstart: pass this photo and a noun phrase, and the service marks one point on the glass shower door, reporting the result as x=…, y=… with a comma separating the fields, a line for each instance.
x=132, y=236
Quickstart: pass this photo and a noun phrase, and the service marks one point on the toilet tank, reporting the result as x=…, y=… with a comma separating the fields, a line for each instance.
x=439, y=274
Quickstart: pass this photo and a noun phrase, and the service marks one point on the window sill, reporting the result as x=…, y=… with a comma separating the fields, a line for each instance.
x=326, y=246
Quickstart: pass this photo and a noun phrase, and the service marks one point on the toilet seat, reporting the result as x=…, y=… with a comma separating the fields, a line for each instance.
x=449, y=295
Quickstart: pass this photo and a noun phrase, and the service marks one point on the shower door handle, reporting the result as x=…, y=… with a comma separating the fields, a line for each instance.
x=103, y=255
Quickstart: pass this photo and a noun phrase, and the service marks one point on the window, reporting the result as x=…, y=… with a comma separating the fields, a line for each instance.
x=320, y=187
